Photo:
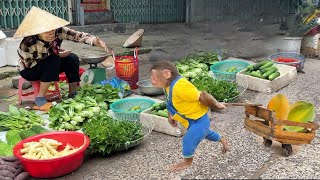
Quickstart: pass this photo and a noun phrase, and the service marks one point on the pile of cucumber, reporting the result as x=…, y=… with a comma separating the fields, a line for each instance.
x=264, y=70
x=159, y=109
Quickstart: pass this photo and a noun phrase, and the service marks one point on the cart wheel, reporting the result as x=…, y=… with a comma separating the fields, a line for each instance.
x=267, y=142
x=287, y=149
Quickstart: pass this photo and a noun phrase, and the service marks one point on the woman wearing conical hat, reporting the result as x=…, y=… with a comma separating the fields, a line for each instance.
x=41, y=56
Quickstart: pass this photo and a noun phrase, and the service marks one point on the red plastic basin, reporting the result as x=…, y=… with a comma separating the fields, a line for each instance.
x=63, y=77
x=51, y=168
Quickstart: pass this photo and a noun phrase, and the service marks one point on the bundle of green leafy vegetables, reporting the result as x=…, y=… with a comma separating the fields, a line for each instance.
x=196, y=65
x=70, y=114
x=101, y=93
x=222, y=91
x=19, y=119
x=207, y=58
x=108, y=135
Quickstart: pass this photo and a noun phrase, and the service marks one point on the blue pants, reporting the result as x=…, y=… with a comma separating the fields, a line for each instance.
x=197, y=130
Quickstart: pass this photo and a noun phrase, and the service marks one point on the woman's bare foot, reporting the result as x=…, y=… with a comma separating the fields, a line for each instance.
x=181, y=165
x=225, y=146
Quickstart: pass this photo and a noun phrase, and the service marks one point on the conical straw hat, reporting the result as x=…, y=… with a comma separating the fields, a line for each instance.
x=135, y=39
x=39, y=21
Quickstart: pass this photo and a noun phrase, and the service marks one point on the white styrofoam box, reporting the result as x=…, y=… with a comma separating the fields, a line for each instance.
x=3, y=58
x=2, y=43
x=287, y=75
x=12, y=45
x=2, y=35
x=161, y=124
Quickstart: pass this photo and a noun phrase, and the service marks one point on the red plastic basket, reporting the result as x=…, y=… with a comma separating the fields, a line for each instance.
x=127, y=68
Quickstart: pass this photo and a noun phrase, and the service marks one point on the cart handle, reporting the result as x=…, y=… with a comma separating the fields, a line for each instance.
x=242, y=104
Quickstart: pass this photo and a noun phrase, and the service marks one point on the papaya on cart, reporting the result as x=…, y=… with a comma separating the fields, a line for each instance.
x=263, y=122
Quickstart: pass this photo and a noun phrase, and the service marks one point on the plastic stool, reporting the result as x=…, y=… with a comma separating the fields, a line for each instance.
x=36, y=87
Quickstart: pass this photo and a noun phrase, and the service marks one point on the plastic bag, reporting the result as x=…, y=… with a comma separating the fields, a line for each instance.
x=115, y=82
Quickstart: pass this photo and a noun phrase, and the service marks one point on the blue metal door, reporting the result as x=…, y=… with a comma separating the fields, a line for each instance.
x=12, y=12
x=148, y=11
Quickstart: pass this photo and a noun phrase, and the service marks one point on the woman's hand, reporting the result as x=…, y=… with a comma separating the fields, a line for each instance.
x=102, y=44
x=64, y=53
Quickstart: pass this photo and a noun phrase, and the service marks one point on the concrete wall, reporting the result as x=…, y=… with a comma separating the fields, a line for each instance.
x=98, y=17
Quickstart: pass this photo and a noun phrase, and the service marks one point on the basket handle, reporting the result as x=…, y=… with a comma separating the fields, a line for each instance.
x=114, y=57
x=135, y=52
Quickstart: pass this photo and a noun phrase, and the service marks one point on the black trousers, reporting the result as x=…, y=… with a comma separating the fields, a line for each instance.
x=49, y=68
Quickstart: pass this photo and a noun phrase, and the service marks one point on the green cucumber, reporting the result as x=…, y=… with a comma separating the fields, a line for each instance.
x=154, y=112
x=163, y=113
x=157, y=108
x=249, y=68
x=268, y=64
x=259, y=64
x=267, y=69
x=256, y=74
x=268, y=73
x=162, y=105
x=273, y=76
x=154, y=106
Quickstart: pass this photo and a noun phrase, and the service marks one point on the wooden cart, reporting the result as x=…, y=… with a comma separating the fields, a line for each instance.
x=263, y=122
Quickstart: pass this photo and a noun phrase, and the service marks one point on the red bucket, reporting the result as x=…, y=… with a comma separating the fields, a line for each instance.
x=63, y=77
x=127, y=68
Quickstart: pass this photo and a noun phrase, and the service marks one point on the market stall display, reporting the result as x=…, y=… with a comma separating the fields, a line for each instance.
x=130, y=108
x=223, y=91
x=121, y=134
x=19, y=119
x=227, y=69
x=196, y=65
x=287, y=75
x=50, y=168
x=71, y=114
x=288, y=58
x=264, y=70
x=101, y=93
